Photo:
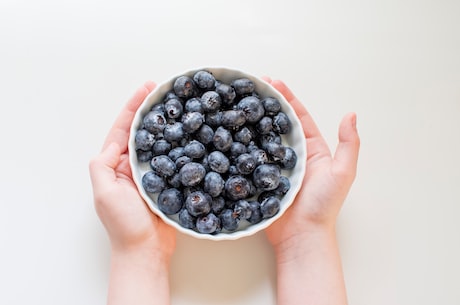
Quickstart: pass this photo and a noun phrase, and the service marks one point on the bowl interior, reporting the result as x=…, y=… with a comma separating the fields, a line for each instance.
x=294, y=139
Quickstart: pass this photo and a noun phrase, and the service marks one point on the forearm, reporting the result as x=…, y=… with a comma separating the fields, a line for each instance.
x=310, y=271
x=138, y=278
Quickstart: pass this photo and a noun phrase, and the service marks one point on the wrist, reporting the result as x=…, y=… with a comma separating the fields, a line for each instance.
x=142, y=256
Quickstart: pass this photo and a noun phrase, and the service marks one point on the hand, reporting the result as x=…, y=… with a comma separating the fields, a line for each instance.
x=327, y=180
x=131, y=226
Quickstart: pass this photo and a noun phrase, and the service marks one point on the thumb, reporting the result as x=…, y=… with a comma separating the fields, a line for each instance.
x=102, y=167
x=346, y=154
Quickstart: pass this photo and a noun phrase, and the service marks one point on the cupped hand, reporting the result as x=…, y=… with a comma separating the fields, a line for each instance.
x=327, y=180
x=130, y=224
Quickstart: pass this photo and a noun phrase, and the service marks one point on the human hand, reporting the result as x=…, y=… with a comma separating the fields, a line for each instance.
x=130, y=225
x=327, y=179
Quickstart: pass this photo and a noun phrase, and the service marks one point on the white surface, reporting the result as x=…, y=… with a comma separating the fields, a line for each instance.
x=67, y=68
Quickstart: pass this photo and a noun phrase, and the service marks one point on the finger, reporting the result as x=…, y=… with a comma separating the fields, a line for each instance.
x=119, y=133
x=102, y=167
x=346, y=154
x=316, y=145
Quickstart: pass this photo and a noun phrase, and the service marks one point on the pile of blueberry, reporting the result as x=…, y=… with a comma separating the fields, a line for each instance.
x=216, y=153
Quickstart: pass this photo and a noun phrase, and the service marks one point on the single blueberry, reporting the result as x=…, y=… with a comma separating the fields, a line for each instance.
x=144, y=156
x=266, y=177
x=252, y=107
x=152, y=183
x=233, y=118
x=184, y=87
x=242, y=209
x=237, y=149
x=229, y=220
x=192, y=121
x=245, y=164
x=226, y=92
x=194, y=105
x=281, y=123
x=192, y=173
x=213, y=184
x=198, y=203
x=205, y=134
x=243, y=86
x=256, y=214
x=163, y=166
x=154, y=122
x=222, y=139
x=271, y=137
x=265, y=125
x=218, y=162
x=276, y=152
x=271, y=105
x=290, y=159
x=270, y=207
x=161, y=147
x=204, y=80
x=173, y=132
x=237, y=187
x=260, y=156
x=208, y=224
x=284, y=186
x=214, y=119
x=217, y=204
x=211, y=101
x=244, y=135
x=144, y=140
x=170, y=201
x=186, y=220
x=160, y=107
x=181, y=161
x=194, y=149
x=176, y=152
x=174, y=180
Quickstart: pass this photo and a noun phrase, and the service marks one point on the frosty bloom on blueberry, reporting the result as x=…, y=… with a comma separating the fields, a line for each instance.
x=215, y=153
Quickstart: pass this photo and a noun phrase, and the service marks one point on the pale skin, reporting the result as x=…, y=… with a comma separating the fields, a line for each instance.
x=304, y=239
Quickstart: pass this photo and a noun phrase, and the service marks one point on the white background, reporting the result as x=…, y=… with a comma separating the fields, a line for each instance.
x=68, y=67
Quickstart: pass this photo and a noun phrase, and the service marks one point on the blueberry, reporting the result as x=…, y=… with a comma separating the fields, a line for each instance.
x=226, y=92
x=198, y=203
x=242, y=209
x=176, y=152
x=213, y=184
x=174, y=108
x=205, y=134
x=181, y=161
x=152, y=183
x=144, y=156
x=170, y=201
x=232, y=170
x=173, y=132
x=222, y=139
x=265, y=125
x=252, y=107
x=229, y=220
x=194, y=149
x=208, y=224
x=244, y=135
x=194, y=105
x=211, y=101
x=163, y=166
x=290, y=159
x=245, y=164
x=283, y=186
x=144, y=140
x=233, y=118
x=217, y=204
x=184, y=87
x=260, y=156
x=265, y=194
x=281, y=123
x=214, y=119
x=161, y=147
x=160, y=107
x=277, y=152
x=270, y=207
x=192, y=173
x=266, y=177
x=154, y=122
x=192, y=121
x=237, y=149
x=243, y=86
x=204, y=80
x=218, y=162
x=271, y=105
x=174, y=180
x=271, y=137
x=237, y=187
x=186, y=220
x=256, y=214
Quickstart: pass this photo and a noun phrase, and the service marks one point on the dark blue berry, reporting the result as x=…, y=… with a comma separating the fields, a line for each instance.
x=217, y=204
x=265, y=125
x=270, y=207
x=211, y=101
x=176, y=152
x=260, y=156
x=242, y=209
x=205, y=134
x=243, y=86
x=226, y=92
x=170, y=201
x=281, y=123
x=214, y=119
x=213, y=184
x=204, y=80
x=161, y=147
x=154, y=122
x=194, y=105
x=256, y=214
x=290, y=159
x=152, y=183
x=218, y=162
x=237, y=149
x=208, y=224
x=192, y=173
x=277, y=152
x=244, y=135
x=198, y=203
x=271, y=105
x=184, y=87
x=174, y=108
x=266, y=177
x=245, y=164
x=252, y=107
x=283, y=186
x=192, y=121
x=186, y=220
x=144, y=140
x=173, y=132
x=229, y=220
x=181, y=161
x=194, y=149
x=237, y=187
x=233, y=118
x=163, y=166
x=222, y=139
x=144, y=156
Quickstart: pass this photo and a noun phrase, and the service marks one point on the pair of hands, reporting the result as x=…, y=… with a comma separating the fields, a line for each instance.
x=132, y=227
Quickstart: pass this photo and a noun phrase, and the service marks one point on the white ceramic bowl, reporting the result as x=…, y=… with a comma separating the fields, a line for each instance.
x=294, y=139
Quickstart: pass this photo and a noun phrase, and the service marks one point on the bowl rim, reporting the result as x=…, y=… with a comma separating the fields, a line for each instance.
x=156, y=96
